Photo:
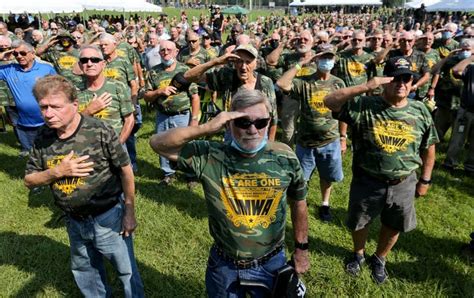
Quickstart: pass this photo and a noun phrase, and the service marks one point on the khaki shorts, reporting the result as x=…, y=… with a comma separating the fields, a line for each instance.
x=370, y=197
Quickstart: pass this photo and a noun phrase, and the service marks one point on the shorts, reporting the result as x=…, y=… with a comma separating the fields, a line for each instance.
x=327, y=159
x=370, y=197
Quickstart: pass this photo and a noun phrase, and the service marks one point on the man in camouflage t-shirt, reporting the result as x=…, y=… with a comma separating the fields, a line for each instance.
x=91, y=179
x=392, y=138
x=104, y=98
x=317, y=134
x=247, y=184
x=175, y=108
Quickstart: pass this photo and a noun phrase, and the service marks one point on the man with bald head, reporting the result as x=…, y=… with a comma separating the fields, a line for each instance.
x=175, y=108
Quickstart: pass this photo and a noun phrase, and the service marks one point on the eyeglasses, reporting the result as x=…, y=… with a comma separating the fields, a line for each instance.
x=20, y=53
x=4, y=49
x=406, y=40
x=193, y=41
x=358, y=39
x=405, y=78
x=245, y=123
x=54, y=28
x=85, y=60
x=77, y=37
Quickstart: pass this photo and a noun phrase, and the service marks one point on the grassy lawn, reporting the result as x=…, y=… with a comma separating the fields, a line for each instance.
x=172, y=240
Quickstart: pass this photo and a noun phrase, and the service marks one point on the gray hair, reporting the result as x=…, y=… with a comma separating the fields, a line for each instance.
x=245, y=98
x=7, y=39
x=92, y=47
x=108, y=37
x=18, y=43
x=467, y=42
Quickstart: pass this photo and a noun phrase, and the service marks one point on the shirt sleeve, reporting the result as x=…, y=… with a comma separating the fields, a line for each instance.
x=114, y=151
x=125, y=98
x=193, y=157
x=297, y=189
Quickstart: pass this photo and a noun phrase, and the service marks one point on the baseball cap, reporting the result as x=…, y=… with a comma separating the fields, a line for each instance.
x=247, y=48
x=397, y=66
x=326, y=48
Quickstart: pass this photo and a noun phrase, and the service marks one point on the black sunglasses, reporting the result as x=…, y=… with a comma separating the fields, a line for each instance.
x=405, y=78
x=245, y=123
x=85, y=60
x=20, y=53
x=4, y=49
x=193, y=41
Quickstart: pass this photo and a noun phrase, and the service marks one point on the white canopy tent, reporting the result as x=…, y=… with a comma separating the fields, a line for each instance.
x=335, y=2
x=125, y=5
x=44, y=6
x=452, y=5
x=417, y=3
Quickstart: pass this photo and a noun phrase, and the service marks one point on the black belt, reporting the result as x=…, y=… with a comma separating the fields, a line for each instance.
x=174, y=113
x=93, y=213
x=247, y=264
x=357, y=171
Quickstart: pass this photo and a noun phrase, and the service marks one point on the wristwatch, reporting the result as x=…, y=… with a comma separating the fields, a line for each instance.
x=424, y=181
x=302, y=246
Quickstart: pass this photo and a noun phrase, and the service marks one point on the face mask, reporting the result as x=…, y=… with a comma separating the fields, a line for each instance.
x=325, y=65
x=234, y=144
x=167, y=62
x=465, y=54
x=446, y=35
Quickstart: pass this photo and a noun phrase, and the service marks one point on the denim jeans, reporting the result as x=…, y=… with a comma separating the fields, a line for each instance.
x=97, y=237
x=223, y=277
x=163, y=123
x=327, y=159
x=26, y=136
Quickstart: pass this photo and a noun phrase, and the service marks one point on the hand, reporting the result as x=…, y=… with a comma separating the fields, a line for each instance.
x=431, y=93
x=375, y=82
x=226, y=58
x=219, y=122
x=129, y=223
x=52, y=41
x=308, y=59
x=301, y=259
x=2, y=55
x=193, y=61
x=343, y=146
x=421, y=189
x=98, y=103
x=193, y=122
x=73, y=167
x=168, y=90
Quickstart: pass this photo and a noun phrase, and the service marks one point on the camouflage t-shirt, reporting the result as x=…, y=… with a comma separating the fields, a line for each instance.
x=120, y=69
x=120, y=106
x=202, y=55
x=375, y=70
x=126, y=51
x=63, y=63
x=432, y=57
x=443, y=49
x=226, y=81
x=352, y=69
x=6, y=98
x=419, y=63
x=448, y=88
x=289, y=59
x=387, y=141
x=316, y=127
x=246, y=197
x=78, y=195
x=159, y=78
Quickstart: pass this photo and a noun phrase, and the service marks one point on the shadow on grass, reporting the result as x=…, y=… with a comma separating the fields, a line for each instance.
x=14, y=166
x=184, y=200
x=9, y=139
x=48, y=263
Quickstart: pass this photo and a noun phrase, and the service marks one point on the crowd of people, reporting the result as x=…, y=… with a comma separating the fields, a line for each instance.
x=289, y=93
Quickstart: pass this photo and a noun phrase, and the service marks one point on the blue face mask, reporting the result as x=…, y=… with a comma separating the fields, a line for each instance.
x=446, y=35
x=465, y=54
x=325, y=65
x=234, y=144
x=167, y=62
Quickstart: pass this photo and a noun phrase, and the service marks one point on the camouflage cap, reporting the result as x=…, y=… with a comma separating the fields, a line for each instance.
x=326, y=48
x=397, y=66
x=247, y=48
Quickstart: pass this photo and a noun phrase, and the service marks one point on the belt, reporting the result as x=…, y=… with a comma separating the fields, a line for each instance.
x=93, y=213
x=390, y=182
x=175, y=113
x=247, y=264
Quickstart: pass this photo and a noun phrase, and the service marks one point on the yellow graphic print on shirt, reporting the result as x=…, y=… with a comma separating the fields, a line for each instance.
x=102, y=114
x=392, y=136
x=112, y=73
x=65, y=185
x=356, y=69
x=414, y=67
x=304, y=71
x=121, y=53
x=67, y=62
x=251, y=199
x=317, y=102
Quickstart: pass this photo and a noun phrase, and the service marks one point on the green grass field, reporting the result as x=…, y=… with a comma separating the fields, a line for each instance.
x=172, y=239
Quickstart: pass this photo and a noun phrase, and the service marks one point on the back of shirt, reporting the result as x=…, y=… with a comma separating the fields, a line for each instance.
x=467, y=97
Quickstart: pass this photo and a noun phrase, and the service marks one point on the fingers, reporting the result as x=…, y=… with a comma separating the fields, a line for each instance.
x=235, y=115
x=69, y=156
x=81, y=158
x=385, y=80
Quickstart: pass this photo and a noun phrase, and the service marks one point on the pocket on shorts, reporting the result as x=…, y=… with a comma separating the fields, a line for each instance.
x=111, y=217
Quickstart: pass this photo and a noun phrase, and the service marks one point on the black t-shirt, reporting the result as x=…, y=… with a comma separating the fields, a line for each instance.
x=467, y=97
x=217, y=18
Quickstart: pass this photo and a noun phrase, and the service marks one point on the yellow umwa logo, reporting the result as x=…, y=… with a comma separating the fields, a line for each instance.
x=392, y=136
x=65, y=185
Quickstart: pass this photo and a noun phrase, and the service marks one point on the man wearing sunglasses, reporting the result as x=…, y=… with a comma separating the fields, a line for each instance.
x=193, y=54
x=317, y=138
x=392, y=138
x=247, y=184
x=20, y=78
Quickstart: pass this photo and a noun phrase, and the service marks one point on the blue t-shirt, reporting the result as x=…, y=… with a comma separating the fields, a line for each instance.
x=21, y=85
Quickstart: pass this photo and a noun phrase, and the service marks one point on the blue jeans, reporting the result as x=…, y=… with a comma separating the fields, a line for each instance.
x=223, y=277
x=26, y=136
x=327, y=159
x=97, y=237
x=163, y=123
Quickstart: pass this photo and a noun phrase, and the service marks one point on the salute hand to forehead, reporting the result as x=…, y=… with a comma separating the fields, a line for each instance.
x=219, y=122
